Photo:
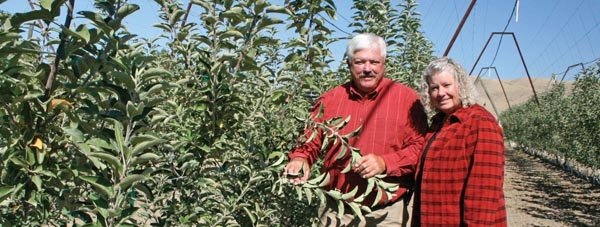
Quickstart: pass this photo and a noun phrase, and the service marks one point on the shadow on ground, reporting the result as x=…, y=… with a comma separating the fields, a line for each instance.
x=545, y=192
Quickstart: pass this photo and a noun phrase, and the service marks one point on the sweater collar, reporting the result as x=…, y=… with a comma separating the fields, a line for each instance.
x=383, y=85
x=460, y=115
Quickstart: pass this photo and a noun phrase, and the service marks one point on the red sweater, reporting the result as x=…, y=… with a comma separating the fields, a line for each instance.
x=460, y=177
x=393, y=123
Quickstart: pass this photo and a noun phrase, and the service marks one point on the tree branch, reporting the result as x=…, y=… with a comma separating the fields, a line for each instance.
x=61, y=46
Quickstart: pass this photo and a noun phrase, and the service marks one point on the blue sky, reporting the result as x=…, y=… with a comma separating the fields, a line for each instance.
x=552, y=34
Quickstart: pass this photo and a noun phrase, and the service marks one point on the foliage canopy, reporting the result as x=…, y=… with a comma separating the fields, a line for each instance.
x=103, y=128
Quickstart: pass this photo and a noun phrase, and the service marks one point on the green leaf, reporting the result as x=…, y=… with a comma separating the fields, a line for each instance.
x=386, y=185
x=309, y=195
x=318, y=179
x=143, y=159
x=293, y=57
x=233, y=13
x=342, y=153
x=370, y=186
x=259, y=6
x=322, y=198
x=143, y=146
x=124, y=79
x=99, y=144
x=347, y=168
x=81, y=32
x=377, y=198
x=32, y=95
x=350, y=194
x=341, y=208
x=126, y=215
x=366, y=208
x=285, y=78
x=280, y=157
x=207, y=182
x=325, y=181
x=176, y=16
x=153, y=90
x=100, y=184
x=231, y=33
x=334, y=194
x=353, y=133
x=118, y=128
x=126, y=10
x=152, y=73
x=268, y=22
x=132, y=110
x=130, y=180
x=97, y=20
x=5, y=191
x=279, y=96
x=278, y=9
x=298, y=192
x=204, y=4
x=142, y=187
x=250, y=215
x=111, y=159
x=52, y=5
x=37, y=181
x=355, y=208
x=19, y=18
x=46, y=4
x=324, y=144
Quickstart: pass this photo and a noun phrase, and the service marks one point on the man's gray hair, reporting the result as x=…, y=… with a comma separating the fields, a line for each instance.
x=365, y=41
x=468, y=94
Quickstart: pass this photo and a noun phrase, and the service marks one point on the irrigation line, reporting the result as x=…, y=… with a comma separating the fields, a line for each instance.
x=520, y=55
x=462, y=22
x=499, y=81
x=569, y=68
x=487, y=93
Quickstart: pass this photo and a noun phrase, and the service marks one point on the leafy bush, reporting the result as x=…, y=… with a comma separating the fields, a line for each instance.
x=563, y=123
x=102, y=128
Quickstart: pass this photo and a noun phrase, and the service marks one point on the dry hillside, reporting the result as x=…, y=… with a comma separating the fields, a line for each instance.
x=517, y=91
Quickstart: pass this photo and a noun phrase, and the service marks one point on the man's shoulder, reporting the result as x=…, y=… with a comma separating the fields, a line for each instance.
x=337, y=90
x=402, y=86
x=403, y=89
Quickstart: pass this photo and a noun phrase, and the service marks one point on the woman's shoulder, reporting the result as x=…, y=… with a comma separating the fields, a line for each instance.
x=479, y=113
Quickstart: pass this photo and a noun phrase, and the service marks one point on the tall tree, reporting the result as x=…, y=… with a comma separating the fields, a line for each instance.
x=409, y=51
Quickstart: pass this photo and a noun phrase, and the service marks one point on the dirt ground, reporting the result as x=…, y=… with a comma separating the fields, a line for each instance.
x=540, y=194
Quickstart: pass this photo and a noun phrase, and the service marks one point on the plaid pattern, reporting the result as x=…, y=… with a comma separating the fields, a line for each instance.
x=393, y=123
x=460, y=181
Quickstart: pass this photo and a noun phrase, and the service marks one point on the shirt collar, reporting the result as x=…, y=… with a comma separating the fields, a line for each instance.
x=383, y=84
x=460, y=115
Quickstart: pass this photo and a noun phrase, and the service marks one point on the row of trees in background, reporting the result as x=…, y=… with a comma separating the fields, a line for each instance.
x=101, y=127
x=565, y=123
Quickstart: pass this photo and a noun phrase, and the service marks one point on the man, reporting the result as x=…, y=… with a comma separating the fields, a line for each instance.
x=393, y=123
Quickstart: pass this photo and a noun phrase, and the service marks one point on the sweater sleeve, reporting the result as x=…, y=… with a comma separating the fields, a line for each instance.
x=483, y=196
x=403, y=162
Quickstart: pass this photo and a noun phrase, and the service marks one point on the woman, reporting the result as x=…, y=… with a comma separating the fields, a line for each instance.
x=461, y=170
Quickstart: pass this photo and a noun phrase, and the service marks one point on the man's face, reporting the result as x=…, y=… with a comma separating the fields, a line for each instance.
x=367, y=68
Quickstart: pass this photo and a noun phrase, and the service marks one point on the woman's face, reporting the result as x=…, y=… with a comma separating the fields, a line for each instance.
x=444, y=92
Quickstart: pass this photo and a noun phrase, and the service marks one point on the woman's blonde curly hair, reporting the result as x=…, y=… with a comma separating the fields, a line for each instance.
x=468, y=94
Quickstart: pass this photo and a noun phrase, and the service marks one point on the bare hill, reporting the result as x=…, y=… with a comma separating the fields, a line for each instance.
x=518, y=91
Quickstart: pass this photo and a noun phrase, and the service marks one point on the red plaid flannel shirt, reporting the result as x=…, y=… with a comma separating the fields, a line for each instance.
x=462, y=175
x=393, y=123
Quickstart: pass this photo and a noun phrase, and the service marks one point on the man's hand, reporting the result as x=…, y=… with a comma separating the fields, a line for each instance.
x=369, y=166
x=292, y=171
